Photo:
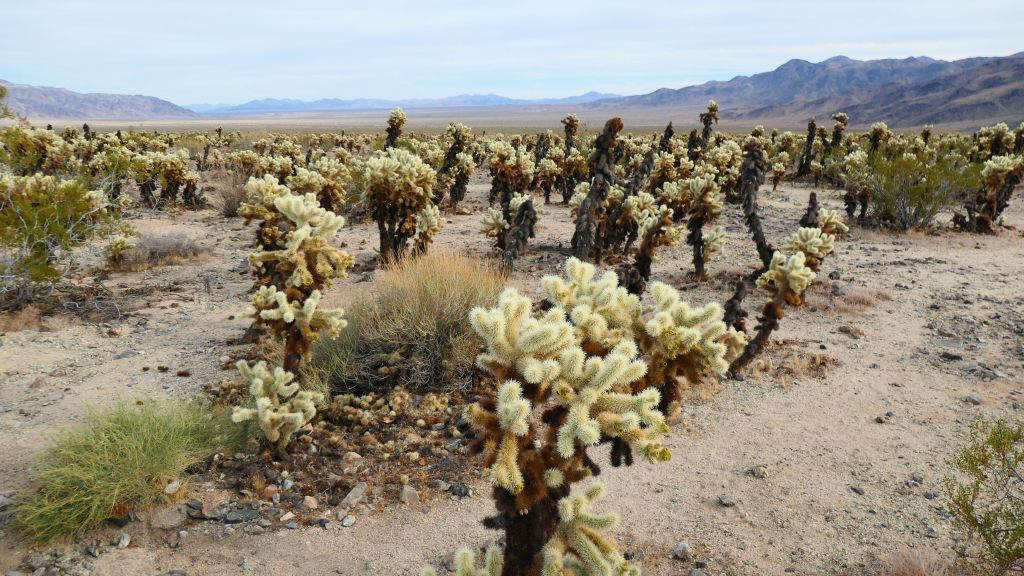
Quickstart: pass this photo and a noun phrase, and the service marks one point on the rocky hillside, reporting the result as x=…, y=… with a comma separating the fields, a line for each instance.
x=800, y=80
x=43, y=102
x=990, y=91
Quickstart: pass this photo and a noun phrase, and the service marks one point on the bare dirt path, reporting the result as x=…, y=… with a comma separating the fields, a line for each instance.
x=852, y=415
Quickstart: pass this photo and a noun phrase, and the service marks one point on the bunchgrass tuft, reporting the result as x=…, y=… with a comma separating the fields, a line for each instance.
x=116, y=461
x=414, y=332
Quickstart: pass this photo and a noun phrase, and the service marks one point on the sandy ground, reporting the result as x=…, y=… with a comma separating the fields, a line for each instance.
x=842, y=491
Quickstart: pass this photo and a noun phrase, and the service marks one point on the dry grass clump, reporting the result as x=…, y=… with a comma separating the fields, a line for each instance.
x=414, y=332
x=33, y=317
x=793, y=365
x=30, y=316
x=911, y=562
x=117, y=461
x=154, y=250
x=231, y=200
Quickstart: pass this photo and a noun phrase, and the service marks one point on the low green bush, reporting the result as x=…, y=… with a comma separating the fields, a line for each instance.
x=986, y=498
x=118, y=460
x=908, y=191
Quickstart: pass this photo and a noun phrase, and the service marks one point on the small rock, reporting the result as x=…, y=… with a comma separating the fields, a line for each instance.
x=355, y=495
x=951, y=356
x=682, y=552
x=929, y=495
x=698, y=572
x=310, y=502
x=291, y=525
x=409, y=495
x=759, y=472
x=286, y=517
x=972, y=399
x=287, y=484
x=880, y=419
x=348, y=521
x=441, y=485
x=460, y=490
x=174, y=573
x=172, y=487
x=917, y=478
x=726, y=501
x=269, y=491
x=124, y=541
x=858, y=490
x=255, y=530
x=167, y=518
x=835, y=274
x=241, y=515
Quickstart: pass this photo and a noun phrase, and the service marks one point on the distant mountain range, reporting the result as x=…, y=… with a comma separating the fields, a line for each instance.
x=47, y=102
x=268, y=105
x=988, y=89
x=901, y=92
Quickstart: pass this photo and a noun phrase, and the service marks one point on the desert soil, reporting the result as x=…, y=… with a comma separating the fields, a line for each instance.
x=853, y=413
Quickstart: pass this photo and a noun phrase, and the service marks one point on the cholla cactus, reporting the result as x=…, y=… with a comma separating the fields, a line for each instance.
x=707, y=119
x=786, y=280
x=511, y=172
x=465, y=563
x=293, y=263
x=578, y=546
x=457, y=166
x=327, y=178
x=808, y=156
x=752, y=178
x=395, y=123
x=831, y=222
x=428, y=223
x=999, y=177
x=714, y=242
x=705, y=207
x=398, y=187
x=813, y=243
x=586, y=240
x=571, y=378
x=281, y=408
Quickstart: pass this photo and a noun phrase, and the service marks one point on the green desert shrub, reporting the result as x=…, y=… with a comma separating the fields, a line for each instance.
x=42, y=220
x=986, y=498
x=908, y=191
x=118, y=460
x=414, y=331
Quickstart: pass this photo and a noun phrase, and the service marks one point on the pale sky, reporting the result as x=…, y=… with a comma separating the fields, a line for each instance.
x=190, y=51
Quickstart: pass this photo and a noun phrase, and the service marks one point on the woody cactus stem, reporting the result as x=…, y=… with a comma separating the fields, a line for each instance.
x=808, y=156
x=695, y=238
x=734, y=315
x=751, y=178
x=810, y=218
